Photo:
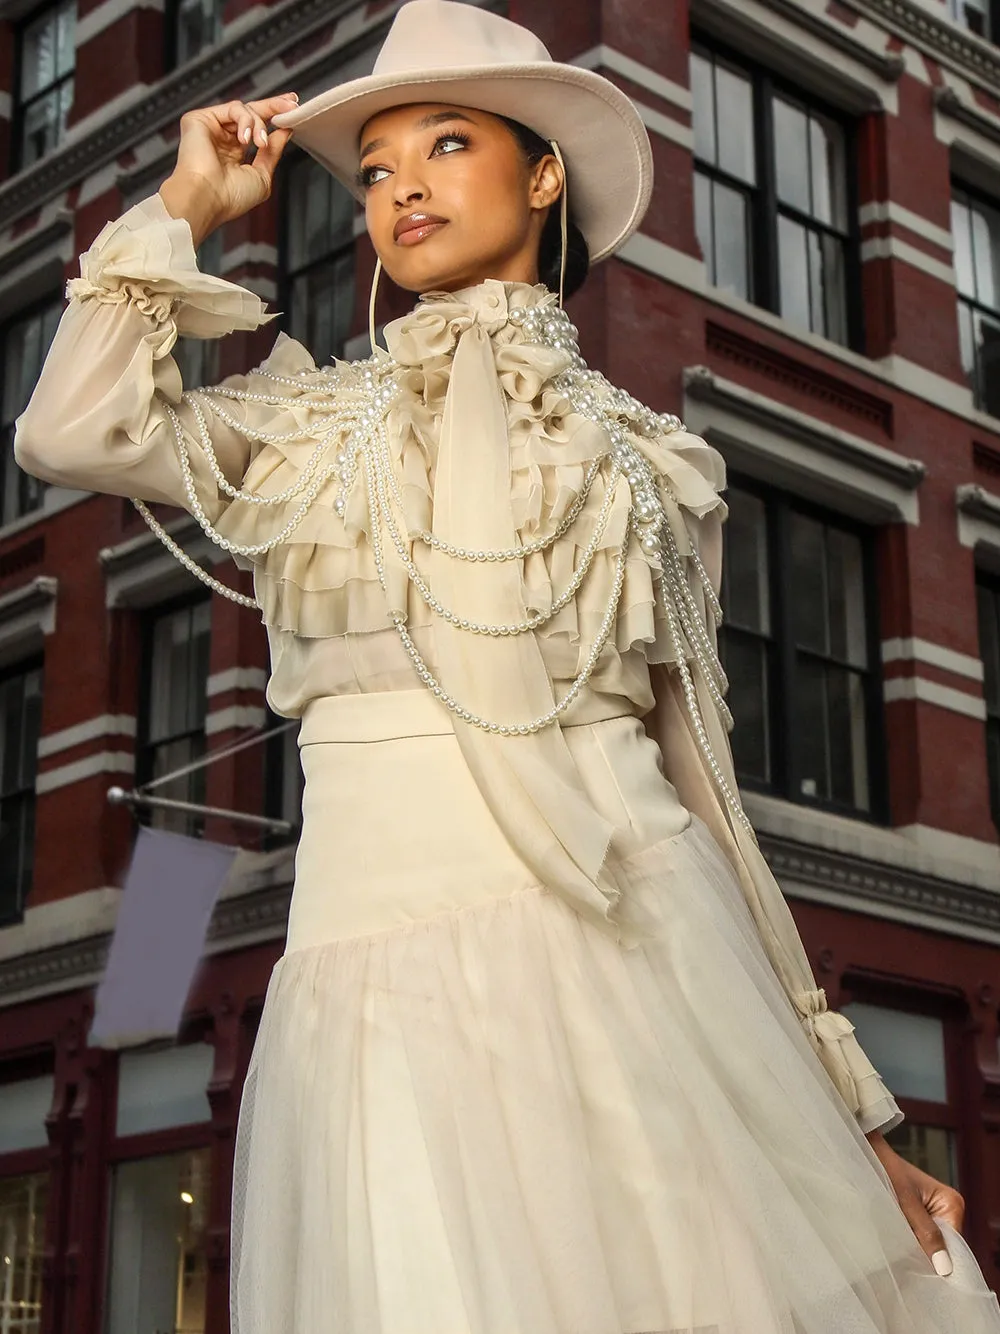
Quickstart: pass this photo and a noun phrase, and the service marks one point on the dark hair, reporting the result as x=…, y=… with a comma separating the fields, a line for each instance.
x=535, y=148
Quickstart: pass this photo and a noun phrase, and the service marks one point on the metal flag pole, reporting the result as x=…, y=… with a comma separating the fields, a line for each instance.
x=142, y=797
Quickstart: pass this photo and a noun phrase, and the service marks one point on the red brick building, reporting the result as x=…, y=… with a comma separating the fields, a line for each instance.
x=816, y=289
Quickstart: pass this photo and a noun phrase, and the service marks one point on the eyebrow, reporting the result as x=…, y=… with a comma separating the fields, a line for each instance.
x=424, y=123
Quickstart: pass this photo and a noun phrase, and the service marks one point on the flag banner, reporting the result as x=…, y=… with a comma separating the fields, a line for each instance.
x=166, y=906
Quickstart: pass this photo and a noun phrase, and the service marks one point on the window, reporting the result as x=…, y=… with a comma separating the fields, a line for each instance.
x=23, y=345
x=24, y=1195
x=283, y=779
x=172, y=726
x=196, y=25
x=772, y=196
x=988, y=605
x=318, y=258
x=797, y=646
x=910, y=1052
x=975, y=225
x=158, y=1262
x=46, y=58
x=981, y=17
x=20, y=724
x=198, y=358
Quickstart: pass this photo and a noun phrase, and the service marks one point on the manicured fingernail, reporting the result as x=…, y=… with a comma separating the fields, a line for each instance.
x=245, y=134
x=293, y=96
x=262, y=136
x=941, y=1261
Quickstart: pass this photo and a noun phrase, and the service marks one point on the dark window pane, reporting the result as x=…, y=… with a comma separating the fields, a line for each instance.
x=703, y=107
x=829, y=287
x=791, y=154
x=747, y=574
x=20, y=725
x=746, y=665
x=809, y=595
x=828, y=171
x=988, y=364
x=993, y=765
x=46, y=51
x=322, y=306
x=845, y=575
x=731, y=266
x=734, y=109
x=703, y=221
x=173, y=728
x=199, y=26
x=989, y=645
x=793, y=273
x=24, y=1204
x=985, y=252
x=848, y=741
x=931, y=1148
x=810, y=736
x=967, y=340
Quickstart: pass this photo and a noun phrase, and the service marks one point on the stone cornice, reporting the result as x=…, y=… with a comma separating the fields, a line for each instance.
x=970, y=54
x=193, y=84
x=881, y=890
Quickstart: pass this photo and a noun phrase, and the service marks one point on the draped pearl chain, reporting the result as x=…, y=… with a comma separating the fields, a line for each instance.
x=348, y=406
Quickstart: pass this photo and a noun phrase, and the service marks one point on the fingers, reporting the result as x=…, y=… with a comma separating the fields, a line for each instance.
x=250, y=118
x=267, y=158
x=926, y=1231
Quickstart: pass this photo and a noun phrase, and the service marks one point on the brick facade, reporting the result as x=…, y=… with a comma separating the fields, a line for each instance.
x=902, y=913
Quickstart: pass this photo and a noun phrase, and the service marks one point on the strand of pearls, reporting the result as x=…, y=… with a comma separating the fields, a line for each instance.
x=190, y=564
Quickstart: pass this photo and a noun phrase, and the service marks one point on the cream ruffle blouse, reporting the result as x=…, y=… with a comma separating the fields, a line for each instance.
x=108, y=415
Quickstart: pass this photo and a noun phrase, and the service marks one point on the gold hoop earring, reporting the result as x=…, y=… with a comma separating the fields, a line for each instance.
x=371, y=306
x=563, y=221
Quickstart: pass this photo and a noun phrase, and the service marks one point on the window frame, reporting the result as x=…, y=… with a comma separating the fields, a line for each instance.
x=992, y=13
x=975, y=196
x=19, y=105
x=764, y=208
x=23, y=668
x=145, y=748
x=26, y=484
x=779, y=506
x=171, y=35
x=991, y=727
x=287, y=276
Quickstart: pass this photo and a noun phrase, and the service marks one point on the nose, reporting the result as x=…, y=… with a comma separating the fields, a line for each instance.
x=409, y=186
x=407, y=194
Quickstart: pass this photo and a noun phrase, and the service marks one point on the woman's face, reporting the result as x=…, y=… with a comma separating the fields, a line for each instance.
x=450, y=199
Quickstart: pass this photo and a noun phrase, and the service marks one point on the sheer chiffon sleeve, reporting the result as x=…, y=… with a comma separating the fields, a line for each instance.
x=100, y=416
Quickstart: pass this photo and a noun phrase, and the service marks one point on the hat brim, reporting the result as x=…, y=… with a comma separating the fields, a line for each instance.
x=603, y=140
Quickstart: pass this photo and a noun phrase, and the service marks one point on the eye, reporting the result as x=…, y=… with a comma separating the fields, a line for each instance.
x=447, y=143
x=369, y=176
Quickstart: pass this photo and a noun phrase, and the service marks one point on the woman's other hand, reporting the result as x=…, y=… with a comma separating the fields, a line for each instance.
x=922, y=1199
x=218, y=175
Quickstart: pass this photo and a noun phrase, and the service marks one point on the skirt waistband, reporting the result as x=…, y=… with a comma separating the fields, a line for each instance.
x=390, y=715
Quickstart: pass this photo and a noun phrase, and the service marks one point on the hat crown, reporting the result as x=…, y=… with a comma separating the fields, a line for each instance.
x=444, y=34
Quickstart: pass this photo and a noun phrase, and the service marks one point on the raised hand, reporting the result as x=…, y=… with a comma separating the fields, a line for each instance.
x=225, y=162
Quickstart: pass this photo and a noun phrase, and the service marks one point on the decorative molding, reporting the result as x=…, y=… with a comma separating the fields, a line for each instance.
x=27, y=615
x=198, y=81
x=937, y=34
x=141, y=571
x=932, y=692
x=935, y=655
x=949, y=103
x=236, y=678
x=237, y=718
x=791, y=373
x=666, y=126
x=898, y=893
x=105, y=724
x=804, y=452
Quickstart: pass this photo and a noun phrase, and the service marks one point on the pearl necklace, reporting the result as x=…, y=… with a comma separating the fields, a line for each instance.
x=351, y=404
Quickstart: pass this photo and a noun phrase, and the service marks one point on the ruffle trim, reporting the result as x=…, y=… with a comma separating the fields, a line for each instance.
x=146, y=259
x=831, y=1035
x=322, y=581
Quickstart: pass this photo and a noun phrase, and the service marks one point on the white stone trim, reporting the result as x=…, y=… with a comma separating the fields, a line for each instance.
x=238, y=717
x=140, y=571
x=675, y=266
x=106, y=13
x=930, y=692
x=887, y=210
x=105, y=724
x=935, y=655
x=917, y=848
x=249, y=252
x=766, y=438
x=979, y=522
x=891, y=247
x=607, y=57
x=665, y=126
x=102, y=762
x=27, y=616
x=237, y=678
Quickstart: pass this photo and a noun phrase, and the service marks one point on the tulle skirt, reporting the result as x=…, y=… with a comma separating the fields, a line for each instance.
x=494, y=1120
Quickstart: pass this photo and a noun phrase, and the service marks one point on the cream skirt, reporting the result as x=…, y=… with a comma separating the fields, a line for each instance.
x=468, y=1111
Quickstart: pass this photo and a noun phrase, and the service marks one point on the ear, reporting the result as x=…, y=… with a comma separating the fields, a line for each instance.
x=546, y=182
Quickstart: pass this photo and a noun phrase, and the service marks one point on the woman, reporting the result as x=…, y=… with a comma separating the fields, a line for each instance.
x=543, y=1054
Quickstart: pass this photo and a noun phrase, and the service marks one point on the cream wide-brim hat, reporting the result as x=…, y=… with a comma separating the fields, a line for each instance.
x=443, y=51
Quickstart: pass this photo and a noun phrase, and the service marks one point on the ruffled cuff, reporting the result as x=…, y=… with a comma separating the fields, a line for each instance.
x=858, y=1082
x=146, y=258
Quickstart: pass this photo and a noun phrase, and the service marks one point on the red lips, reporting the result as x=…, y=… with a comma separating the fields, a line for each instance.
x=415, y=226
